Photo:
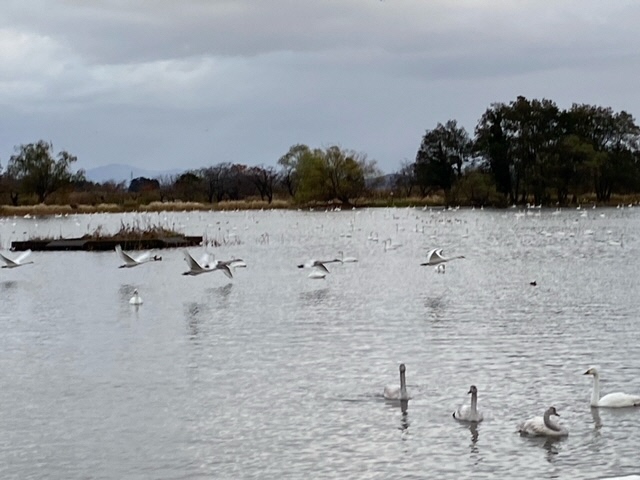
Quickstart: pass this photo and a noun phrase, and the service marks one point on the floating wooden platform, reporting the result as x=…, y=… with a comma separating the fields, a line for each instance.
x=88, y=244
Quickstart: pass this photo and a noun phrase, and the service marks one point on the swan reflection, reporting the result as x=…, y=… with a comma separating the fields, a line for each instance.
x=473, y=429
x=597, y=421
x=552, y=446
x=404, y=423
x=314, y=297
x=8, y=285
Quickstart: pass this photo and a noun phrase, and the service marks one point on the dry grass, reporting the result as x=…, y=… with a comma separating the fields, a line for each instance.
x=134, y=231
x=255, y=204
x=47, y=210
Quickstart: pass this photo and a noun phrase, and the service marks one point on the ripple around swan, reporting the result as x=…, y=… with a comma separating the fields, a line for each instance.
x=275, y=375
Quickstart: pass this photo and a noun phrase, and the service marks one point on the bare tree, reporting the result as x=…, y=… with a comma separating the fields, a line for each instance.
x=264, y=178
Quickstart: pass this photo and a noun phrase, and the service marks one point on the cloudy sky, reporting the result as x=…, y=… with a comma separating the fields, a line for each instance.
x=163, y=84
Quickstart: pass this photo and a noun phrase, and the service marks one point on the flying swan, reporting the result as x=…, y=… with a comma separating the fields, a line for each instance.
x=131, y=261
x=543, y=426
x=196, y=268
x=435, y=257
x=18, y=262
x=318, y=266
x=611, y=400
x=469, y=413
x=392, y=392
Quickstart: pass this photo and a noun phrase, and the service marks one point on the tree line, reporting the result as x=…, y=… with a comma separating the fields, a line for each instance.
x=530, y=151
x=525, y=151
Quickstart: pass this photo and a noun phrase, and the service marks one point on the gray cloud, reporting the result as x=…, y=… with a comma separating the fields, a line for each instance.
x=164, y=83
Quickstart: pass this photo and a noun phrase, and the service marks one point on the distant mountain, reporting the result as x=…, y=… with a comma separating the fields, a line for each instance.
x=124, y=173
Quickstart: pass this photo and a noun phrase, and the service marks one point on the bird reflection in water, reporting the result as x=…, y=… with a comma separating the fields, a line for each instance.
x=436, y=306
x=314, y=297
x=552, y=446
x=473, y=428
x=597, y=421
x=404, y=419
x=194, y=311
x=8, y=285
x=222, y=292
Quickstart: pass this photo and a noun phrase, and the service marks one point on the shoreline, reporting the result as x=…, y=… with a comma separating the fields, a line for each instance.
x=435, y=202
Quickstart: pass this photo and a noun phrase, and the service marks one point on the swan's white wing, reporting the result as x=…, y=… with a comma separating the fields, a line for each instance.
x=463, y=412
x=391, y=392
x=21, y=258
x=534, y=426
x=193, y=265
x=8, y=261
x=237, y=263
x=619, y=400
x=225, y=269
x=320, y=265
x=434, y=257
x=143, y=257
x=126, y=258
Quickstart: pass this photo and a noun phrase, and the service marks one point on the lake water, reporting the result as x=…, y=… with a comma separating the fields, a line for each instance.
x=275, y=375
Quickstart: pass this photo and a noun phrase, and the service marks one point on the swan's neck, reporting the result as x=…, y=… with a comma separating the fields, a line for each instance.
x=403, y=385
x=595, y=394
x=550, y=423
x=474, y=403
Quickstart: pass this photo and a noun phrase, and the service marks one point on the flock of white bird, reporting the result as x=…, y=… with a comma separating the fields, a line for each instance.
x=208, y=263
x=539, y=426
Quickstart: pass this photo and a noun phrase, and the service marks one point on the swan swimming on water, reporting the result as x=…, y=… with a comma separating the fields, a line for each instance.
x=135, y=300
x=611, y=400
x=131, y=261
x=196, y=268
x=543, y=426
x=391, y=245
x=392, y=392
x=469, y=413
x=18, y=262
x=435, y=257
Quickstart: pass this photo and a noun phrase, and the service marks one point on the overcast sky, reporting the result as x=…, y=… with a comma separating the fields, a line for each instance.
x=163, y=84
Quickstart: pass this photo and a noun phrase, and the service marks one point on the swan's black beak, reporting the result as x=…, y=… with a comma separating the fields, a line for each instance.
x=469, y=392
x=300, y=266
x=586, y=373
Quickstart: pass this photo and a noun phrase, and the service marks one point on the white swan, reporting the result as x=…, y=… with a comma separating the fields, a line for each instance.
x=434, y=257
x=469, y=413
x=131, y=261
x=136, y=299
x=18, y=262
x=319, y=269
x=391, y=245
x=392, y=392
x=344, y=259
x=611, y=400
x=543, y=426
x=196, y=268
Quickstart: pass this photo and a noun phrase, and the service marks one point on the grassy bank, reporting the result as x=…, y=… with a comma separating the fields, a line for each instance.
x=379, y=202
